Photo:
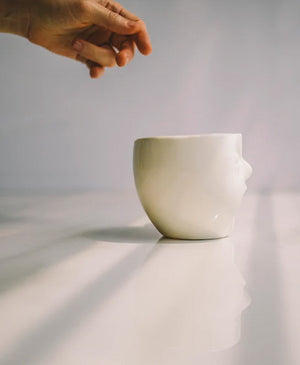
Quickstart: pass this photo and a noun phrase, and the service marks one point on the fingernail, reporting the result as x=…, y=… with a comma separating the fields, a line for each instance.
x=131, y=23
x=77, y=45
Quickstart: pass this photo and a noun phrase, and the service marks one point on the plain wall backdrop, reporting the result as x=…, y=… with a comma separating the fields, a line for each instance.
x=216, y=66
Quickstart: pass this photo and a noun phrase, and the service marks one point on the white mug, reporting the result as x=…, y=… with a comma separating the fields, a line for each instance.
x=191, y=186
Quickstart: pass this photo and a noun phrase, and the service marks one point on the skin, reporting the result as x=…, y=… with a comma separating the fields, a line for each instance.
x=98, y=33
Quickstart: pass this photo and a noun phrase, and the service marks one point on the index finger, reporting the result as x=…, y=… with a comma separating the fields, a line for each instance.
x=110, y=20
x=142, y=40
x=118, y=8
x=116, y=17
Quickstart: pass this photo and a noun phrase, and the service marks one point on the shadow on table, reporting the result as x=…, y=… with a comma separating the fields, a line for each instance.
x=162, y=263
x=40, y=340
x=16, y=269
x=10, y=219
x=135, y=234
x=145, y=234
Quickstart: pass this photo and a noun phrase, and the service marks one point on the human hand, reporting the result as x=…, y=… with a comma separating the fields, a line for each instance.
x=100, y=33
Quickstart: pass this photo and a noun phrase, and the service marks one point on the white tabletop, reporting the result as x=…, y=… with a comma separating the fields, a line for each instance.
x=86, y=280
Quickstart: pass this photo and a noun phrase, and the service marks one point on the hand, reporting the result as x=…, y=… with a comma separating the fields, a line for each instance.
x=100, y=33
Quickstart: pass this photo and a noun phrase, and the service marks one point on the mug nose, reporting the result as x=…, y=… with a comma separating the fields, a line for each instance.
x=247, y=170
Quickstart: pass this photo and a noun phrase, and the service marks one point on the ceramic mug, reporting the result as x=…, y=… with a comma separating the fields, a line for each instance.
x=191, y=186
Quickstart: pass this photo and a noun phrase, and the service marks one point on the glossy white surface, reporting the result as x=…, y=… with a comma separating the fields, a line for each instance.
x=84, y=279
x=191, y=186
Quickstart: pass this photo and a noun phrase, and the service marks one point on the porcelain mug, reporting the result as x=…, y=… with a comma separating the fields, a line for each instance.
x=191, y=186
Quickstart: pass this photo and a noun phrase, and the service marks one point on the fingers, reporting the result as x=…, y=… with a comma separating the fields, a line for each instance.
x=128, y=31
x=118, y=8
x=96, y=70
x=111, y=20
x=105, y=55
x=126, y=53
x=126, y=48
x=142, y=40
x=119, y=20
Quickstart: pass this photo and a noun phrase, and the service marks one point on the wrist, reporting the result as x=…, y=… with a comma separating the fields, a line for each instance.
x=14, y=17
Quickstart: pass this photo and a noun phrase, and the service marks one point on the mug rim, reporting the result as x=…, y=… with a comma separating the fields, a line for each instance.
x=190, y=136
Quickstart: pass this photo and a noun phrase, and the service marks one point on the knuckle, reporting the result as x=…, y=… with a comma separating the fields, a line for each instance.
x=120, y=10
x=82, y=7
x=112, y=17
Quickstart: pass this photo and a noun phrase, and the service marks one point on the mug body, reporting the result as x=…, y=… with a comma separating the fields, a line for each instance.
x=191, y=186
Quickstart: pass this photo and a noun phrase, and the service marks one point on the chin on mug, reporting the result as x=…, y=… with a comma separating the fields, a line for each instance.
x=191, y=186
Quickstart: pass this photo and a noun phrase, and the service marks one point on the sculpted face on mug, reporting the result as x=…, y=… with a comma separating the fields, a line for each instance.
x=191, y=186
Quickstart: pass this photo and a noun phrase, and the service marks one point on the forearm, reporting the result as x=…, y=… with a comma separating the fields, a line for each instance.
x=14, y=17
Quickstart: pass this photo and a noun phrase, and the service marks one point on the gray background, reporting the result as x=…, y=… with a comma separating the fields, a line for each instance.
x=217, y=66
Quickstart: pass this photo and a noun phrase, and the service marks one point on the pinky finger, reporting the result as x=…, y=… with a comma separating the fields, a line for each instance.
x=96, y=70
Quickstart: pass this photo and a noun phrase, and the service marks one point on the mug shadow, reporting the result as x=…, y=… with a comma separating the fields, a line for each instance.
x=146, y=234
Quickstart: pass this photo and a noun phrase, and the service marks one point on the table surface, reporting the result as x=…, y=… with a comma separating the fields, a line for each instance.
x=86, y=279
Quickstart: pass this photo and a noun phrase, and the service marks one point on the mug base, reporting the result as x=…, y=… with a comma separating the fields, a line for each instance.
x=186, y=237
